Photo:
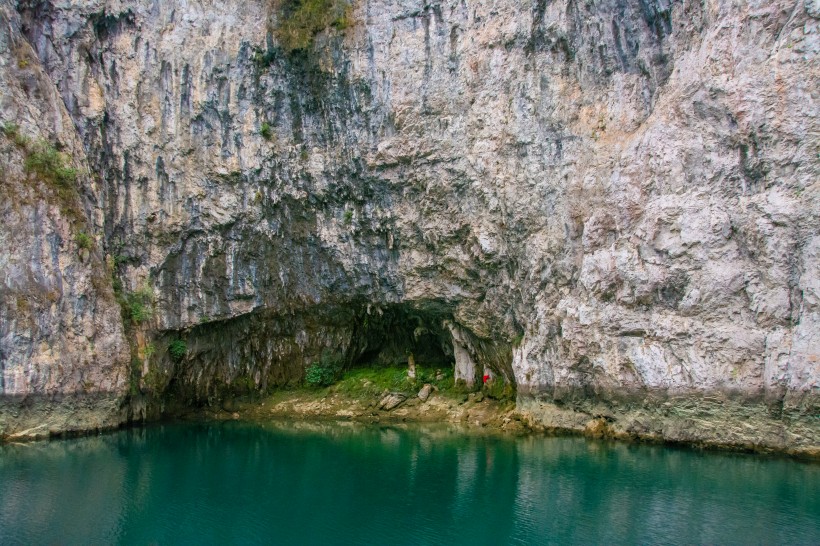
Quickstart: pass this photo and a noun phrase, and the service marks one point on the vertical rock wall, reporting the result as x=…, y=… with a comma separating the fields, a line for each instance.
x=63, y=358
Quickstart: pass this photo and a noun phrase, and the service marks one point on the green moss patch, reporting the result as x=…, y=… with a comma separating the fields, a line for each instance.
x=368, y=382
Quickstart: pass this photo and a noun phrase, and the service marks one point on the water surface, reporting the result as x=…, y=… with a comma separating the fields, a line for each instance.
x=240, y=483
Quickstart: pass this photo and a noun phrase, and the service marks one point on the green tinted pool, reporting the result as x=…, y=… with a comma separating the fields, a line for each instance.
x=240, y=483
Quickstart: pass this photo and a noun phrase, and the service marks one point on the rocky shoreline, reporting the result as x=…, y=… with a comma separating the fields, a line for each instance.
x=37, y=417
x=471, y=410
x=714, y=424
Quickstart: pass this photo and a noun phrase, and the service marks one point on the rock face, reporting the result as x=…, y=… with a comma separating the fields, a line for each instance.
x=63, y=357
x=612, y=205
x=391, y=401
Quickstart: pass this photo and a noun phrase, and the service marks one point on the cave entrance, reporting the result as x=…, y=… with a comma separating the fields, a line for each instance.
x=391, y=335
x=426, y=336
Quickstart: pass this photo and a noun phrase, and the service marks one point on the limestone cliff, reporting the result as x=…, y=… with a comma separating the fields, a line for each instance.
x=612, y=204
x=61, y=338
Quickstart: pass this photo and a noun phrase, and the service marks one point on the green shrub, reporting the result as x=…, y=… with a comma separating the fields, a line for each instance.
x=50, y=165
x=11, y=130
x=138, y=305
x=325, y=371
x=300, y=20
x=177, y=349
x=348, y=216
x=263, y=60
x=21, y=140
x=116, y=284
x=83, y=240
x=139, y=311
x=319, y=376
x=266, y=131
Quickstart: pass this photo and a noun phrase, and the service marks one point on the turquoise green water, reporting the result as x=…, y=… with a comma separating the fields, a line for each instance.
x=235, y=483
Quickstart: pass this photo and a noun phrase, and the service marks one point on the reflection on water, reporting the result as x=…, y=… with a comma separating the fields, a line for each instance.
x=331, y=483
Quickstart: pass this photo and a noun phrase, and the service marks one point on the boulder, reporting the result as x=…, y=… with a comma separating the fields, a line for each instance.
x=392, y=401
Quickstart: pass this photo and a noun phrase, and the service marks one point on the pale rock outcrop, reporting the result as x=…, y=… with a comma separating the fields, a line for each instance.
x=391, y=401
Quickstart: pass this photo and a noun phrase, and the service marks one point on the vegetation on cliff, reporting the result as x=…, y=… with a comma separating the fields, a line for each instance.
x=46, y=163
x=298, y=21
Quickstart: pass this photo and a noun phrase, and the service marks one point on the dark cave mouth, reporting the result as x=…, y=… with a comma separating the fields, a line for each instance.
x=427, y=331
x=263, y=351
x=390, y=335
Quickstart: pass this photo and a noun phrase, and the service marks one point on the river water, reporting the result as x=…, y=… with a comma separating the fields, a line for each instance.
x=323, y=483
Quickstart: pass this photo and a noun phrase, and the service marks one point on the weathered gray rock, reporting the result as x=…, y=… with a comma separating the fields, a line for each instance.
x=61, y=336
x=391, y=401
x=602, y=201
x=425, y=392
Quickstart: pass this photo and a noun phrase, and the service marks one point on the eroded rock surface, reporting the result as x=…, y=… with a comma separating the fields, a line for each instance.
x=391, y=401
x=63, y=357
x=610, y=203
